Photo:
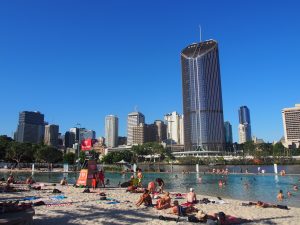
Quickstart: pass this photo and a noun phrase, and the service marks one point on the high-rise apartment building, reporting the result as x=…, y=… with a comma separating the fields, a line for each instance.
x=175, y=128
x=111, y=131
x=51, y=135
x=202, y=97
x=31, y=127
x=244, y=125
x=228, y=132
x=291, y=125
x=134, y=119
x=161, y=131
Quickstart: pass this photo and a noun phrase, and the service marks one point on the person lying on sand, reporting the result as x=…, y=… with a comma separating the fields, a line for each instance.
x=264, y=205
x=223, y=219
x=182, y=210
x=145, y=198
x=164, y=202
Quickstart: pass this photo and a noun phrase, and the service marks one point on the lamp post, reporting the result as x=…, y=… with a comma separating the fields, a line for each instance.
x=78, y=141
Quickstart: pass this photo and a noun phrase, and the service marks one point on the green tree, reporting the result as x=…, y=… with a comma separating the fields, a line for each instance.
x=18, y=152
x=5, y=143
x=69, y=158
x=249, y=147
x=49, y=154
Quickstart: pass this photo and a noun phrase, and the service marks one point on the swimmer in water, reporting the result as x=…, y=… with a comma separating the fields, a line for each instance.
x=289, y=194
x=280, y=196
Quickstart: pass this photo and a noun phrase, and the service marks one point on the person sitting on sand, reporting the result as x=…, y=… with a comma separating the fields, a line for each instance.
x=280, y=196
x=145, y=198
x=191, y=196
x=161, y=184
x=10, y=179
x=164, y=202
x=151, y=187
x=182, y=210
x=64, y=181
x=29, y=180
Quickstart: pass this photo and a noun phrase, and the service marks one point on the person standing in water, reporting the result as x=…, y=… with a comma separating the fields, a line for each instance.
x=140, y=177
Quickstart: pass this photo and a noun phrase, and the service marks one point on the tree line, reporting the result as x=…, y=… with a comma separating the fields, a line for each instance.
x=12, y=151
x=138, y=153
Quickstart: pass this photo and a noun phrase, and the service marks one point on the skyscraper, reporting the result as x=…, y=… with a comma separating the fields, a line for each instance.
x=202, y=97
x=175, y=128
x=133, y=120
x=111, y=131
x=228, y=132
x=161, y=131
x=31, y=127
x=51, y=135
x=291, y=125
x=244, y=124
x=69, y=139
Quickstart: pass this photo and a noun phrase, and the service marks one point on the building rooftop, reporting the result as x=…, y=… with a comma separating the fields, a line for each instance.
x=197, y=49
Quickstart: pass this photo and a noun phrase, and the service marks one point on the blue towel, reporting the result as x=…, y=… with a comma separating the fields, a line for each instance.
x=58, y=197
x=30, y=198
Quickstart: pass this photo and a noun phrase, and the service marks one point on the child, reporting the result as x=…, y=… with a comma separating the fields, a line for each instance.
x=94, y=182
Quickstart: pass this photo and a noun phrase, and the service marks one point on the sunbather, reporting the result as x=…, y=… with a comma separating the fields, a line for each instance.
x=191, y=196
x=164, y=202
x=182, y=210
x=145, y=198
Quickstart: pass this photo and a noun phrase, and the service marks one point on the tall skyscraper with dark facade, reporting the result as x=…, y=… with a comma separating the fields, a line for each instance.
x=228, y=132
x=244, y=124
x=31, y=127
x=202, y=97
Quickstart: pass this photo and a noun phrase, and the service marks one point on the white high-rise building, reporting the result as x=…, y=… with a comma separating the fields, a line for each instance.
x=133, y=120
x=243, y=131
x=175, y=129
x=291, y=125
x=111, y=131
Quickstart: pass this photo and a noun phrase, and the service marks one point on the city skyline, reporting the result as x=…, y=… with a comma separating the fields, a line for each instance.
x=74, y=52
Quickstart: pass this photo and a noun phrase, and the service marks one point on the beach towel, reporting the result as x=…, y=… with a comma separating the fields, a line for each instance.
x=30, y=198
x=58, y=197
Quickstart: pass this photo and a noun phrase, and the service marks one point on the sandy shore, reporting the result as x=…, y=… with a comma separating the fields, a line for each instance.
x=86, y=208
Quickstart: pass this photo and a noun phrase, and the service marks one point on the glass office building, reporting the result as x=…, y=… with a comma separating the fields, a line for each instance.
x=202, y=97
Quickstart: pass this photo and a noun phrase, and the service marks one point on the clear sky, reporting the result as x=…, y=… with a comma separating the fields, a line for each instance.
x=77, y=61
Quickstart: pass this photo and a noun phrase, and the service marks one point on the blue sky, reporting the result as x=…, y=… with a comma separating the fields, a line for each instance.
x=77, y=61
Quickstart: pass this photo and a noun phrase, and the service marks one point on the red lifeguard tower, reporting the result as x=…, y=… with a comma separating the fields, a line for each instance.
x=89, y=167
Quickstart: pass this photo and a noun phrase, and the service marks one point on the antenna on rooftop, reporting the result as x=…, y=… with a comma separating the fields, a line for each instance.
x=135, y=108
x=200, y=32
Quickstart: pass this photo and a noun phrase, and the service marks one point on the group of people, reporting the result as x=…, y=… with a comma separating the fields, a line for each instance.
x=280, y=195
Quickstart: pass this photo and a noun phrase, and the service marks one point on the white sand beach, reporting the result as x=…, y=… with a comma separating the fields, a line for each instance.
x=86, y=208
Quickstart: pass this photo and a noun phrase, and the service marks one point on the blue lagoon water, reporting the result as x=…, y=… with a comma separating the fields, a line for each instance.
x=263, y=187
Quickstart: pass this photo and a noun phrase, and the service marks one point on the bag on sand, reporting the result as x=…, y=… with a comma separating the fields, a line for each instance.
x=56, y=191
x=86, y=190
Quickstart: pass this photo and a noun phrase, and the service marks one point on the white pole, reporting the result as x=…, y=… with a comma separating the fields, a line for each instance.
x=275, y=168
x=197, y=168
